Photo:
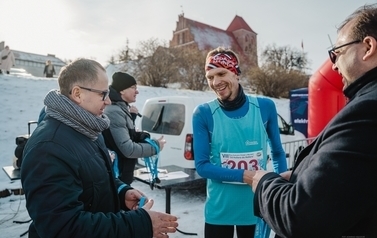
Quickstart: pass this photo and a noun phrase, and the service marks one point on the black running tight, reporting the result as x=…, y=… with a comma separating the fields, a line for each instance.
x=224, y=231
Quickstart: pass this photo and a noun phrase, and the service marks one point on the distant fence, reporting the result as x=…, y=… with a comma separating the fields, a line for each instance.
x=293, y=148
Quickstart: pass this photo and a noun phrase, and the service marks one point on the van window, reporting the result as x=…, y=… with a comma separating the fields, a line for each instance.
x=167, y=119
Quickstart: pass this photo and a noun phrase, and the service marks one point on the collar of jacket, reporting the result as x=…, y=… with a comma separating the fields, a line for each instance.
x=115, y=96
x=116, y=99
x=359, y=83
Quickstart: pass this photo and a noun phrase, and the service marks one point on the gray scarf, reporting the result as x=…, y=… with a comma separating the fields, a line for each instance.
x=64, y=110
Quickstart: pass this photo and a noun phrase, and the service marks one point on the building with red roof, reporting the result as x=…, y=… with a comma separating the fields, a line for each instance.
x=238, y=36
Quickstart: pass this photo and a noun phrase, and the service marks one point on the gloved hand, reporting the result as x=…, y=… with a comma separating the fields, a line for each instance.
x=140, y=136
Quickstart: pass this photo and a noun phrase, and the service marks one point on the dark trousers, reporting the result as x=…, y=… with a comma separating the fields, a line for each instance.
x=225, y=231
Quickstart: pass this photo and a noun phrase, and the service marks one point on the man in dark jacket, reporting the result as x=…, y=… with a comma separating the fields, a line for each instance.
x=66, y=173
x=332, y=190
x=49, y=69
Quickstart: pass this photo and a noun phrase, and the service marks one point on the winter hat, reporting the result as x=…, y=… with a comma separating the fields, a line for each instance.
x=122, y=81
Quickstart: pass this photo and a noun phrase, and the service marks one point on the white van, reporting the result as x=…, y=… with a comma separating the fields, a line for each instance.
x=171, y=116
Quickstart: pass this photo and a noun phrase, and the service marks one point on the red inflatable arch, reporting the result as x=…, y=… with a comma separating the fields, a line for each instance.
x=325, y=98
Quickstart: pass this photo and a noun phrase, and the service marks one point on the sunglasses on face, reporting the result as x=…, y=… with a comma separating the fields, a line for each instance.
x=333, y=54
x=105, y=94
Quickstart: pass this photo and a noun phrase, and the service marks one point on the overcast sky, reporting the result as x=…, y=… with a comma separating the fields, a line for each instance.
x=98, y=29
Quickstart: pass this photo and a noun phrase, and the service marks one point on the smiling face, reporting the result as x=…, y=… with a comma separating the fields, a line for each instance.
x=223, y=82
x=222, y=73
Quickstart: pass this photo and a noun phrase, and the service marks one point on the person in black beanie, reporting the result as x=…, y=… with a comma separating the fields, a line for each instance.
x=121, y=136
x=123, y=81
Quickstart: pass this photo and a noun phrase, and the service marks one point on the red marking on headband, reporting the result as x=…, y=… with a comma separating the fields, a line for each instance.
x=223, y=60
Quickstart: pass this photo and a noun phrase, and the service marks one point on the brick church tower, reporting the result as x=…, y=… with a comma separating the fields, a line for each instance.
x=238, y=36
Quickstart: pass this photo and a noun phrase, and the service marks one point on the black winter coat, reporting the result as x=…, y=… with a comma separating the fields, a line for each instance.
x=70, y=189
x=49, y=74
x=332, y=191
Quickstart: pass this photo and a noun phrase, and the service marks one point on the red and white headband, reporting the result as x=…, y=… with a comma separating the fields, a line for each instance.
x=223, y=60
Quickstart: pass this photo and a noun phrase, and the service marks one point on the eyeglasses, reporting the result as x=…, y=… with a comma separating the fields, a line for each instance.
x=333, y=54
x=105, y=94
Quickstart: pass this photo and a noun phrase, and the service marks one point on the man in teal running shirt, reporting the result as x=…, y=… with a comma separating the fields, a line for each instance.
x=230, y=137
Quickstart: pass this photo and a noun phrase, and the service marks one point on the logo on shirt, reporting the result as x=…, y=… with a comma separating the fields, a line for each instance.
x=248, y=143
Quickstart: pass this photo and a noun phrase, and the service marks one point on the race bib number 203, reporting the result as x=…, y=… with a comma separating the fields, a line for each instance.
x=247, y=161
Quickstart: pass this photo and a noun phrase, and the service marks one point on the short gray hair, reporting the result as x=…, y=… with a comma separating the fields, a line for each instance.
x=81, y=71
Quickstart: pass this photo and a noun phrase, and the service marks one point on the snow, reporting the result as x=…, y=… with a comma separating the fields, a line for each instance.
x=21, y=100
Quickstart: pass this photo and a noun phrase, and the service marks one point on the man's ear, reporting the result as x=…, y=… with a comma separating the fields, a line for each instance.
x=371, y=50
x=75, y=94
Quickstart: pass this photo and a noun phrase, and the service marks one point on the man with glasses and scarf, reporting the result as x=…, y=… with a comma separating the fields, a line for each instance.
x=66, y=173
x=332, y=190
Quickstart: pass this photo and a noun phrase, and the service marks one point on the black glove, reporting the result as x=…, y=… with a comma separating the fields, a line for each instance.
x=140, y=136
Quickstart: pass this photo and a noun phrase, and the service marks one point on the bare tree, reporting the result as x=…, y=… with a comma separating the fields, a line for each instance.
x=274, y=81
x=190, y=62
x=124, y=54
x=155, y=63
x=111, y=60
x=285, y=57
x=282, y=70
